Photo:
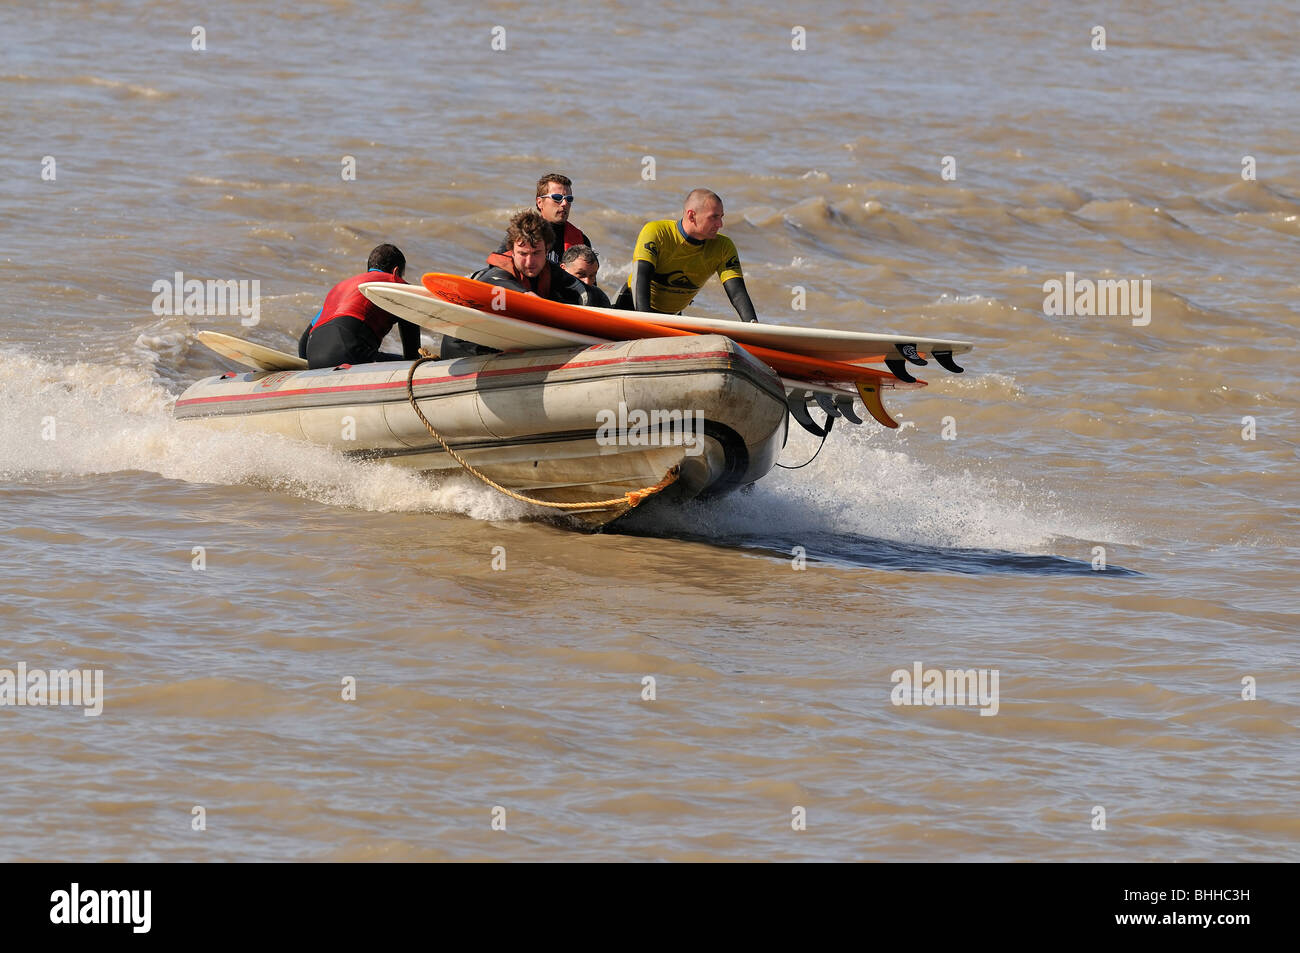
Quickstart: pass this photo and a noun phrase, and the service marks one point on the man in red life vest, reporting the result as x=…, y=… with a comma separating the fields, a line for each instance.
x=525, y=266
x=521, y=264
x=554, y=203
x=350, y=327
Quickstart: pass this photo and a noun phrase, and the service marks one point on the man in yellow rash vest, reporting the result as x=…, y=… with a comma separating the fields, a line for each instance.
x=673, y=260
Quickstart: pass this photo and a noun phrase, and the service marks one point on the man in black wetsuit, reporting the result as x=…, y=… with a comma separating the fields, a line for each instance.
x=350, y=327
x=525, y=266
x=581, y=262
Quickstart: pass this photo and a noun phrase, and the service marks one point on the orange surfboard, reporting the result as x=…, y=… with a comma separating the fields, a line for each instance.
x=615, y=326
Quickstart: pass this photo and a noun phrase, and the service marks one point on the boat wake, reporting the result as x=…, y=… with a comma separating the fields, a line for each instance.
x=863, y=505
x=852, y=550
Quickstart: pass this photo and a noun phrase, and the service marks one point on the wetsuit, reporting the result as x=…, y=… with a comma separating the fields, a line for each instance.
x=350, y=327
x=595, y=297
x=306, y=333
x=670, y=268
x=552, y=282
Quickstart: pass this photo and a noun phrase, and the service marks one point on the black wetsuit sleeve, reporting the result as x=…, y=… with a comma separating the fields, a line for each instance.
x=566, y=288
x=499, y=276
x=641, y=285
x=739, y=296
x=410, y=338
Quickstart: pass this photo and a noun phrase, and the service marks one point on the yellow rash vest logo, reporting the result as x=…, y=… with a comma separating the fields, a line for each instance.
x=676, y=279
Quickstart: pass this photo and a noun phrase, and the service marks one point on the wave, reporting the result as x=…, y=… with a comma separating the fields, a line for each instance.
x=130, y=89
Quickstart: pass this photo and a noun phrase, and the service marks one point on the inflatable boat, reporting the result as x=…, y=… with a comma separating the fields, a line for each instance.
x=684, y=417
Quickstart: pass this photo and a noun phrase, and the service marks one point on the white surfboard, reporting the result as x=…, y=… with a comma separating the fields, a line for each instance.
x=830, y=345
x=257, y=356
x=421, y=307
x=848, y=346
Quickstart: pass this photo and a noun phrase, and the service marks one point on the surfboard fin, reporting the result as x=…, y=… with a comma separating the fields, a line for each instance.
x=825, y=402
x=870, y=394
x=845, y=407
x=909, y=351
x=899, y=370
x=798, y=404
x=945, y=361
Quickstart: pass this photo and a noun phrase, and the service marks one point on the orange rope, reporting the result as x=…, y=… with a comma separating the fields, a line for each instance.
x=631, y=499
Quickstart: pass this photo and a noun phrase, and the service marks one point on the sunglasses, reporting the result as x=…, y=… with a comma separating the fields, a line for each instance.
x=555, y=197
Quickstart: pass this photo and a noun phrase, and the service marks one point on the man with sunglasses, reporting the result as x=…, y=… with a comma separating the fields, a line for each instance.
x=554, y=203
x=673, y=260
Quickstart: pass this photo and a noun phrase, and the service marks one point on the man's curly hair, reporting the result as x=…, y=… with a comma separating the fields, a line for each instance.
x=530, y=228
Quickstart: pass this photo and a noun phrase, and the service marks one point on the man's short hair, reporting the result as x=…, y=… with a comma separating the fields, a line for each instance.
x=585, y=252
x=557, y=177
x=386, y=258
x=698, y=197
x=530, y=228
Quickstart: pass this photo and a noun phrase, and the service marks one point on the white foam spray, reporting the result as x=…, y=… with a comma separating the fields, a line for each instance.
x=84, y=418
x=858, y=487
